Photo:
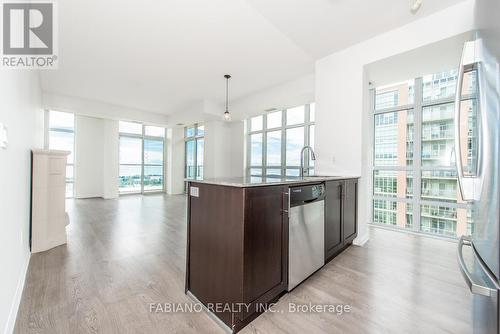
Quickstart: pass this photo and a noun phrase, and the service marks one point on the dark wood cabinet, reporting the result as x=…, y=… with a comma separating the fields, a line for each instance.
x=340, y=216
x=214, y=252
x=350, y=215
x=265, y=245
x=237, y=248
x=333, y=218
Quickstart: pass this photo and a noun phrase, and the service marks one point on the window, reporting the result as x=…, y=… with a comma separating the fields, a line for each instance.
x=61, y=136
x=275, y=140
x=141, y=158
x=195, y=149
x=414, y=174
x=130, y=164
x=153, y=164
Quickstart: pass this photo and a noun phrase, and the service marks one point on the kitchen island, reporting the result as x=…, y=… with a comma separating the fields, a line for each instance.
x=238, y=233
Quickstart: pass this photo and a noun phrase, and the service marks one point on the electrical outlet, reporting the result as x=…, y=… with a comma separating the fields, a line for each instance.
x=3, y=136
x=195, y=191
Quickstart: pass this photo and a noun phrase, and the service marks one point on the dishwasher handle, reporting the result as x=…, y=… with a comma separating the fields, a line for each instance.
x=313, y=200
x=302, y=195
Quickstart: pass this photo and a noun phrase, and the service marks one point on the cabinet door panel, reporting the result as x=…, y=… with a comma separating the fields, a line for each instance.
x=333, y=218
x=350, y=210
x=215, y=246
x=264, y=241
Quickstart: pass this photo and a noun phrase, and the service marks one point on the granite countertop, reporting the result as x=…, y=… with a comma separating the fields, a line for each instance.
x=256, y=181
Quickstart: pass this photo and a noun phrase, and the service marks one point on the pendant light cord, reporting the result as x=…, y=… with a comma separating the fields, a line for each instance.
x=227, y=76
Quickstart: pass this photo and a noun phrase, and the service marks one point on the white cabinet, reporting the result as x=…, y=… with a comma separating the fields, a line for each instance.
x=48, y=211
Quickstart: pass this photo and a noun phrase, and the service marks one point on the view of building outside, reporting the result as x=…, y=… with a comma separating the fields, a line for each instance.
x=421, y=193
x=61, y=136
x=276, y=139
x=194, y=137
x=141, y=158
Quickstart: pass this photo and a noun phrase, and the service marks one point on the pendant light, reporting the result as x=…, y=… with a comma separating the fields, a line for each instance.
x=415, y=5
x=227, y=115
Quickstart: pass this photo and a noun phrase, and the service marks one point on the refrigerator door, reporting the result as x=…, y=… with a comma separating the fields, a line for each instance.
x=484, y=194
x=485, y=309
x=485, y=289
x=485, y=314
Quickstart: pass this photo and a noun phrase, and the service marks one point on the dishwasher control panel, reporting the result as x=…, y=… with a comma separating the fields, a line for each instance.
x=306, y=194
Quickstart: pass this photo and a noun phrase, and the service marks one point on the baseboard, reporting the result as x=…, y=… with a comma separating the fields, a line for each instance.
x=88, y=196
x=361, y=240
x=11, y=320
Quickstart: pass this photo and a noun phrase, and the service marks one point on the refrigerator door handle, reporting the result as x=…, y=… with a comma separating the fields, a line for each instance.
x=475, y=288
x=467, y=183
x=458, y=99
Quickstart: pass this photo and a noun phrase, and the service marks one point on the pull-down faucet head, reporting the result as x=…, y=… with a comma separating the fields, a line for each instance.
x=313, y=157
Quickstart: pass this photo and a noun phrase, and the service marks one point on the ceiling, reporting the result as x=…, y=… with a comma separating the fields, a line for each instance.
x=164, y=56
x=321, y=27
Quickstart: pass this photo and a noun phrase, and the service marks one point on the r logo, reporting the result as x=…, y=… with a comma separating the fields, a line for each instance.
x=28, y=28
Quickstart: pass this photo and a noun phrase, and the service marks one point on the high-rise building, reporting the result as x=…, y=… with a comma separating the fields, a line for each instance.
x=441, y=210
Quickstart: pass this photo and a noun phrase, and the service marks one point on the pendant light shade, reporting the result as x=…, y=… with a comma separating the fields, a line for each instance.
x=227, y=115
x=415, y=5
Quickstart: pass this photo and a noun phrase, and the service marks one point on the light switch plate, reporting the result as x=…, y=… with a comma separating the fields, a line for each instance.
x=195, y=191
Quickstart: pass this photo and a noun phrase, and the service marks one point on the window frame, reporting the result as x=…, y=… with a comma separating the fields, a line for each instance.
x=47, y=130
x=143, y=137
x=194, y=138
x=416, y=168
x=283, y=129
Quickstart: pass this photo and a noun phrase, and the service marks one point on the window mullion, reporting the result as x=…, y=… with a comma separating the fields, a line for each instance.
x=195, y=150
x=306, y=135
x=195, y=158
x=417, y=153
x=264, y=144
x=249, y=149
x=372, y=94
x=283, y=144
x=142, y=164
x=282, y=129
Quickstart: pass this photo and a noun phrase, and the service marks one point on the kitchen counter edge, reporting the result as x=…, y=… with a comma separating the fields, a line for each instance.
x=274, y=182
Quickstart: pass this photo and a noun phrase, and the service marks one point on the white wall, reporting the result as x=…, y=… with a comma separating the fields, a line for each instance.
x=110, y=161
x=89, y=157
x=199, y=112
x=223, y=153
x=175, y=160
x=224, y=149
x=237, y=147
x=430, y=58
x=21, y=112
x=290, y=94
x=96, y=157
x=343, y=130
x=100, y=109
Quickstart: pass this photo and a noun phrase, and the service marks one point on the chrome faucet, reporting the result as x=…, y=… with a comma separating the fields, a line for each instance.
x=313, y=157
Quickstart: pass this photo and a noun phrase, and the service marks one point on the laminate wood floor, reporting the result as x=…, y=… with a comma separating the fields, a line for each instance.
x=124, y=254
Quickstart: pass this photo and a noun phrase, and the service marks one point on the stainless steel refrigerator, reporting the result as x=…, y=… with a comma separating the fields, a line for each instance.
x=478, y=165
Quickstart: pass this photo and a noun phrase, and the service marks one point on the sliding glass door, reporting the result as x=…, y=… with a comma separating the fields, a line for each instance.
x=61, y=136
x=153, y=164
x=195, y=149
x=130, y=164
x=141, y=158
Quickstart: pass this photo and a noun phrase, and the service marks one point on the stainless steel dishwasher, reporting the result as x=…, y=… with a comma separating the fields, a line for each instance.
x=306, y=228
